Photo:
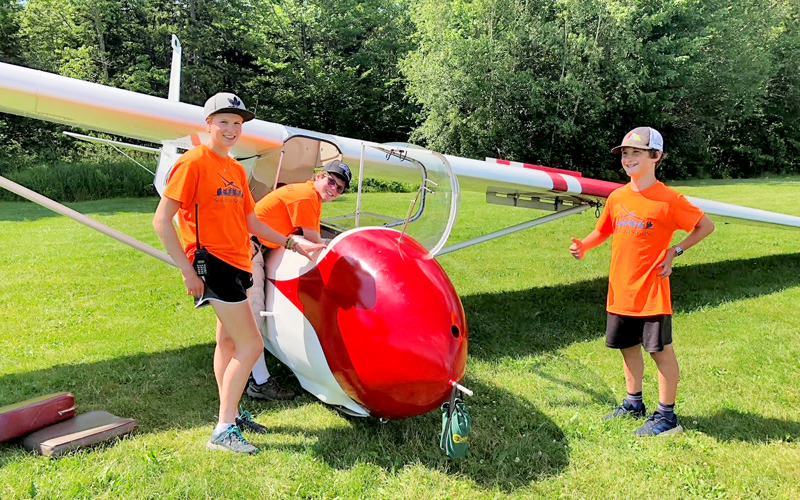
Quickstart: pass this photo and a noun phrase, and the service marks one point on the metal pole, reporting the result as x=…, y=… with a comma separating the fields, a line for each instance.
x=278, y=173
x=360, y=181
x=513, y=229
x=174, y=92
x=79, y=217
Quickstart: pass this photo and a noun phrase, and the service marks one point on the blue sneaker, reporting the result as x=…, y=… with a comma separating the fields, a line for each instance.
x=230, y=439
x=658, y=424
x=627, y=409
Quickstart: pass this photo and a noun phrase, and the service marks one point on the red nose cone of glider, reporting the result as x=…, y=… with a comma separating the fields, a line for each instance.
x=388, y=319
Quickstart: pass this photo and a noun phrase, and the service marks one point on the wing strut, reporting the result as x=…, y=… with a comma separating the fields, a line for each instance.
x=513, y=229
x=79, y=217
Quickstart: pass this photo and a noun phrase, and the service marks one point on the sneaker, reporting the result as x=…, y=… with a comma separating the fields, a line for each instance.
x=230, y=439
x=269, y=390
x=627, y=409
x=659, y=424
x=245, y=422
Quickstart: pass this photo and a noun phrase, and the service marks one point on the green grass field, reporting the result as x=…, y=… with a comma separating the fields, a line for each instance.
x=83, y=313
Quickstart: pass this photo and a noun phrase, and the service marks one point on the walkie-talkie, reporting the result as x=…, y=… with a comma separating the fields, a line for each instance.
x=200, y=253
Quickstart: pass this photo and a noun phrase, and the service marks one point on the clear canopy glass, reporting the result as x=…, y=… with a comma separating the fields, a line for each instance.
x=427, y=208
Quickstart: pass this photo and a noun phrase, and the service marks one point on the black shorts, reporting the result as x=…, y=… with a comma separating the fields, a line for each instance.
x=224, y=283
x=653, y=332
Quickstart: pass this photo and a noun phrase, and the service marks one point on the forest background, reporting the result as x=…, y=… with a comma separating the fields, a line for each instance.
x=553, y=82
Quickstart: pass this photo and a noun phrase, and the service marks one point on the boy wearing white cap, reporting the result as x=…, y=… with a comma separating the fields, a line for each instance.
x=642, y=217
x=208, y=188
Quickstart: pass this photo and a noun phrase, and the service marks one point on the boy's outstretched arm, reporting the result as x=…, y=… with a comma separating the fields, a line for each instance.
x=703, y=228
x=579, y=247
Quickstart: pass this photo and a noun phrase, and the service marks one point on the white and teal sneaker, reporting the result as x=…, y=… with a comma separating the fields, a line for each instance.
x=230, y=439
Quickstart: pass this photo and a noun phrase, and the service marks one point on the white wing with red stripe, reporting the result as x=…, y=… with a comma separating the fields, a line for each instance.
x=74, y=102
x=571, y=185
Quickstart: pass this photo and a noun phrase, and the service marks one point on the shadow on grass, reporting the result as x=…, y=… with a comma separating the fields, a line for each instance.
x=734, y=425
x=519, y=323
x=162, y=390
x=13, y=211
x=511, y=444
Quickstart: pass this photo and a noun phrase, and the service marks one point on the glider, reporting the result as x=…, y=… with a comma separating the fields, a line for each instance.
x=373, y=326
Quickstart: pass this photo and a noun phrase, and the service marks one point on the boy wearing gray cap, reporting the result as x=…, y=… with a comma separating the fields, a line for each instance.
x=642, y=217
x=208, y=188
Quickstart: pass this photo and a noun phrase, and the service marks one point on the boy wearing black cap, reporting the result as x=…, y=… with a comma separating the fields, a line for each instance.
x=293, y=208
x=642, y=217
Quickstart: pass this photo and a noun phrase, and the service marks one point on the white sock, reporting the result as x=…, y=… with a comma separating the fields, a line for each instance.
x=260, y=372
x=220, y=428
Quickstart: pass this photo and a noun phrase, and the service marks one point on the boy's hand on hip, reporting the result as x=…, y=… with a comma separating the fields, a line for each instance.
x=577, y=249
x=665, y=268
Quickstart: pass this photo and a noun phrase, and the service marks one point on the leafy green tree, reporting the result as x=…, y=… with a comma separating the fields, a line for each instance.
x=332, y=66
x=559, y=82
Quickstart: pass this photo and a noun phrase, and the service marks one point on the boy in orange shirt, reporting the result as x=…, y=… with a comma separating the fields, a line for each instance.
x=206, y=183
x=290, y=209
x=642, y=217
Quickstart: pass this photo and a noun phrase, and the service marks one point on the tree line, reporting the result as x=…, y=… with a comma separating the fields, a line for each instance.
x=554, y=82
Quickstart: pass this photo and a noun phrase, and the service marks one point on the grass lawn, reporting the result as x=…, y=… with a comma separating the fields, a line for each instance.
x=83, y=313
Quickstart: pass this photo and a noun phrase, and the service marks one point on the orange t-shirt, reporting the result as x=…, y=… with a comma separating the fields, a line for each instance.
x=289, y=208
x=219, y=188
x=642, y=224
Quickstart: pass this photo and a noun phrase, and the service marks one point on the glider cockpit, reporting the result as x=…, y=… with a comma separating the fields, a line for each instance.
x=427, y=217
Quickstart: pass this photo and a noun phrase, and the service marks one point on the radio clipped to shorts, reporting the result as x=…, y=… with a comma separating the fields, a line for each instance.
x=200, y=253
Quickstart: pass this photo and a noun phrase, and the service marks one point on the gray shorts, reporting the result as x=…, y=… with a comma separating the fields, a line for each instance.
x=653, y=332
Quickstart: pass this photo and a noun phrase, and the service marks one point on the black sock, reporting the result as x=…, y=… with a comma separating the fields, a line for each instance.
x=666, y=410
x=635, y=398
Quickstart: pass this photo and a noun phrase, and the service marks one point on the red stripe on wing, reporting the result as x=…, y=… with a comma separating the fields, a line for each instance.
x=552, y=170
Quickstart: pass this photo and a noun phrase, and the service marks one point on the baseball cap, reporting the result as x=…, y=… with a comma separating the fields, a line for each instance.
x=641, y=138
x=341, y=170
x=225, y=102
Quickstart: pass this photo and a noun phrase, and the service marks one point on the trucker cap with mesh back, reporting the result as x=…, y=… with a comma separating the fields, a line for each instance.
x=641, y=138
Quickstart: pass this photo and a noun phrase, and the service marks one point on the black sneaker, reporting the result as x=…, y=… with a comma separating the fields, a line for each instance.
x=230, y=439
x=657, y=424
x=627, y=409
x=269, y=390
x=245, y=422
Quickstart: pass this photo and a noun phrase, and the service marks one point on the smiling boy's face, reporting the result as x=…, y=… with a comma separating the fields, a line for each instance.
x=638, y=163
x=225, y=128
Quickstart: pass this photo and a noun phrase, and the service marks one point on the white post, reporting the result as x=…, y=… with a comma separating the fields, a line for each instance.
x=360, y=181
x=461, y=388
x=278, y=173
x=174, y=93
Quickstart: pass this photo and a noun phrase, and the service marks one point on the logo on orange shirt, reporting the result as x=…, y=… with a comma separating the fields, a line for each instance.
x=630, y=219
x=229, y=190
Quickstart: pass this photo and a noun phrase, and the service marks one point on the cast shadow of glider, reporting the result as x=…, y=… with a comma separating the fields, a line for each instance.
x=543, y=319
x=12, y=211
x=176, y=390
x=734, y=425
x=511, y=443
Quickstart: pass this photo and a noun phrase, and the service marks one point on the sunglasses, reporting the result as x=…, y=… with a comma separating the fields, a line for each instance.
x=333, y=183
